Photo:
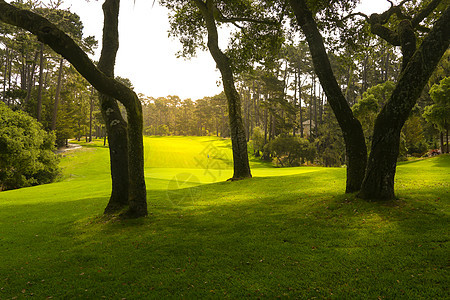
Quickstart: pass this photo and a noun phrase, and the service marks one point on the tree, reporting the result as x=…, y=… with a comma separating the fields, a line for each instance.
x=192, y=20
x=64, y=45
x=417, y=66
x=289, y=150
x=116, y=126
x=26, y=156
x=439, y=112
x=208, y=12
x=351, y=128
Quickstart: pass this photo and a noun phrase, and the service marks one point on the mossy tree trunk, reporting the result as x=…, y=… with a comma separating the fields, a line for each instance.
x=237, y=130
x=61, y=43
x=115, y=124
x=417, y=68
x=356, y=150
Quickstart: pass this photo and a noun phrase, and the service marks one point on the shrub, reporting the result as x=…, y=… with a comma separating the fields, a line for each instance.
x=289, y=150
x=26, y=156
x=257, y=140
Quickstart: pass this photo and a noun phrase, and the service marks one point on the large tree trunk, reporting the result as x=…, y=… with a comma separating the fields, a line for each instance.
x=379, y=179
x=64, y=45
x=237, y=130
x=351, y=128
x=57, y=94
x=115, y=124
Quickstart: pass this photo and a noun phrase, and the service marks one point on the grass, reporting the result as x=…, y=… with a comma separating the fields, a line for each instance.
x=284, y=233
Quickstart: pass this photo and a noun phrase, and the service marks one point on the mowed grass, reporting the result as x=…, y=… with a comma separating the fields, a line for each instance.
x=284, y=233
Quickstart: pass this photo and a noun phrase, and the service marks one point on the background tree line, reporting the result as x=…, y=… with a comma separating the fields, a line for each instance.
x=288, y=100
x=282, y=99
x=40, y=82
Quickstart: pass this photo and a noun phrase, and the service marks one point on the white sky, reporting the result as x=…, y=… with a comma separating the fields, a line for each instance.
x=147, y=56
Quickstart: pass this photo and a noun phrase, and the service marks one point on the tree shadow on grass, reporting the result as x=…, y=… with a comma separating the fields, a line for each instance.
x=253, y=237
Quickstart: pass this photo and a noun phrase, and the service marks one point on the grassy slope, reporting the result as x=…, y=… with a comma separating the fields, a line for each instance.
x=286, y=232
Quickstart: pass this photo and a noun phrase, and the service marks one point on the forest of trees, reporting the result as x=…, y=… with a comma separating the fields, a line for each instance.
x=278, y=91
x=42, y=83
x=278, y=102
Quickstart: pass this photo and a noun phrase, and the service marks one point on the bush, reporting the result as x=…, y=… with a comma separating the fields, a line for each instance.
x=257, y=141
x=26, y=156
x=289, y=150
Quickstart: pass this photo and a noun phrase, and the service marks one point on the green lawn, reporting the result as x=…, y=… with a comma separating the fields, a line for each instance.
x=284, y=233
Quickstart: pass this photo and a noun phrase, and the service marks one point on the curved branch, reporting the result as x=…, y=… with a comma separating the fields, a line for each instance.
x=385, y=33
x=424, y=13
x=354, y=15
x=61, y=43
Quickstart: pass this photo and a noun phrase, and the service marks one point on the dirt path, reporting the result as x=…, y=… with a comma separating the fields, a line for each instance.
x=69, y=147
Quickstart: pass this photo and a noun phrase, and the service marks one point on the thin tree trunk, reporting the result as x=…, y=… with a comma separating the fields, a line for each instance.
x=300, y=102
x=265, y=125
x=447, y=141
x=386, y=67
x=57, y=94
x=365, y=84
x=295, y=102
x=5, y=74
x=91, y=110
x=310, y=106
x=31, y=78
x=41, y=83
x=24, y=72
x=315, y=110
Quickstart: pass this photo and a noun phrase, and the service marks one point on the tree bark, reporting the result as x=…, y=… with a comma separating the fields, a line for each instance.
x=64, y=45
x=115, y=124
x=237, y=130
x=351, y=128
x=378, y=183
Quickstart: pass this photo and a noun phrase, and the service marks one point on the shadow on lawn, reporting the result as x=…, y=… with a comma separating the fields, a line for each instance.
x=251, y=235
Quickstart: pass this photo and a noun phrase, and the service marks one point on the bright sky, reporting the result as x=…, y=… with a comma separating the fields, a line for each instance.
x=147, y=56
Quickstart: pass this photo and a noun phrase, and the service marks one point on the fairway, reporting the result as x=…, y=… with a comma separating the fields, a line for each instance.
x=287, y=232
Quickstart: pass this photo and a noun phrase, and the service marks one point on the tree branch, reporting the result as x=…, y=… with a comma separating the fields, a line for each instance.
x=384, y=17
x=250, y=20
x=64, y=45
x=385, y=33
x=424, y=13
x=354, y=15
x=218, y=15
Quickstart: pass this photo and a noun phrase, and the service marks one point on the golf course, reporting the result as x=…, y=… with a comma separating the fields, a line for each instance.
x=286, y=232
